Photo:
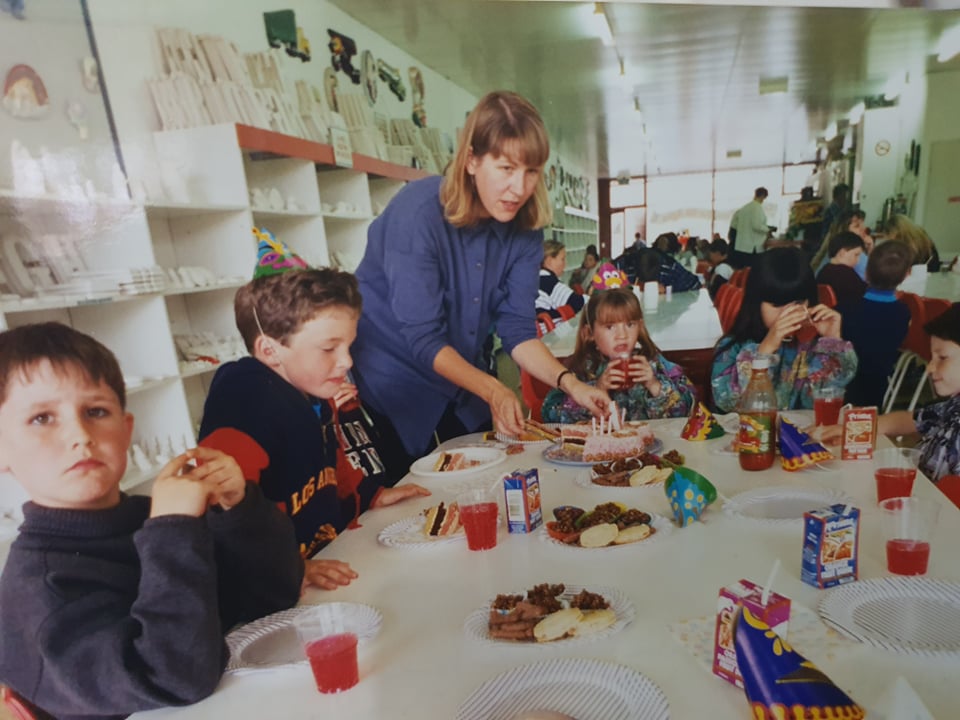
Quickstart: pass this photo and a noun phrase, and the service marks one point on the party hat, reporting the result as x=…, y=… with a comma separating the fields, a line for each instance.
x=608, y=277
x=273, y=256
x=689, y=493
x=701, y=425
x=779, y=682
x=797, y=449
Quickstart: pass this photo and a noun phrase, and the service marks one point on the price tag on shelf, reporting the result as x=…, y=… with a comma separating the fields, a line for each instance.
x=342, y=150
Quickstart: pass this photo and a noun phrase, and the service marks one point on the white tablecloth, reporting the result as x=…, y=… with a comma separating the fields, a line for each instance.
x=422, y=666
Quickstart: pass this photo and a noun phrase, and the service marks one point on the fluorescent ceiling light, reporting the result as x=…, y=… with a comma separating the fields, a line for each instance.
x=601, y=25
x=949, y=44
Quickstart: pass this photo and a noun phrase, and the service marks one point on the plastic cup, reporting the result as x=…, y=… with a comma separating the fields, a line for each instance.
x=330, y=646
x=894, y=469
x=623, y=364
x=909, y=524
x=827, y=402
x=479, y=515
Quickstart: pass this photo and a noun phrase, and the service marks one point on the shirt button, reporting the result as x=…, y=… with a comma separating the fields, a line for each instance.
x=476, y=300
x=479, y=266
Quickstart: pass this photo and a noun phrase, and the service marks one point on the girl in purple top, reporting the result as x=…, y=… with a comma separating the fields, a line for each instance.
x=451, y=260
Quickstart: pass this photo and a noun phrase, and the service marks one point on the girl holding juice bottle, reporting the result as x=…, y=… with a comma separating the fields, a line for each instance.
x=781, y=317
x=614, y=352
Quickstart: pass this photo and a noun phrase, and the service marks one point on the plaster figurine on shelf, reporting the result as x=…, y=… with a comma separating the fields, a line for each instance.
x=27, y=171
x=90, y=73
x=25, y=95
x=76, y=113
x=139, y=458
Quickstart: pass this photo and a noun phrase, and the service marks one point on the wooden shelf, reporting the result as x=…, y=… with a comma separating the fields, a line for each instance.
x=267, y=141
x=172, y=209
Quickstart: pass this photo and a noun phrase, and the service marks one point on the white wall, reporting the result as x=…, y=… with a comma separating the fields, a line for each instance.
x=941, y=122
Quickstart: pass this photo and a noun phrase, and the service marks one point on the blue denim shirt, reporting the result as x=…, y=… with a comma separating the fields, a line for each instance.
x=427, y=284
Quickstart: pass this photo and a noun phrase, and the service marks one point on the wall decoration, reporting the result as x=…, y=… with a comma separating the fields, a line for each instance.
x=391, y=76
x=76, y=113
x=90, y=72
x=342, y=51
x=24, y=94
x=330, y=89
x=14, y=7
x=283, y=31
x=418, y=91
x=369, y=65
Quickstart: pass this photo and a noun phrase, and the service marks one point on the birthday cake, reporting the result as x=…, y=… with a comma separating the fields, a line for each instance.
x=628, y=441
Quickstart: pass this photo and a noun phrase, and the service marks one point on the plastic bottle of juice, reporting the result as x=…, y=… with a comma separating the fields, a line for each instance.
x=757, y=441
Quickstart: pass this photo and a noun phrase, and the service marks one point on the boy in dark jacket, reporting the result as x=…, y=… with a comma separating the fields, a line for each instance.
x=111, y=604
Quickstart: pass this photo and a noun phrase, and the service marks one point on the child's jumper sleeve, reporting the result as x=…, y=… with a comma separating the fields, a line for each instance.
x=676, y=398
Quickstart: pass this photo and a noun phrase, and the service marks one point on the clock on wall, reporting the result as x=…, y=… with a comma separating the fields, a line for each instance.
x=882, y=147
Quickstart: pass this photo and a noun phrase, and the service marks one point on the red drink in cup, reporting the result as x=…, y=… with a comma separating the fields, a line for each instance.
x=827, y=402
x=908, y=557
x=624, y=366
x=333, y=660
x=894, y=482
x=480, y=523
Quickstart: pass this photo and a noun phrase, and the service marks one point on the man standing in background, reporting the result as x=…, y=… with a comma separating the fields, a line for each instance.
x=750, y=223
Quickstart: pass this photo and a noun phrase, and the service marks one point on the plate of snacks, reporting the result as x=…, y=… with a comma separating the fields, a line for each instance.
x=534, y=433
x=608, y=525
x=436, y=525
x=643, y=471
x=567, y=689
x=459, y=462
x=563, y=613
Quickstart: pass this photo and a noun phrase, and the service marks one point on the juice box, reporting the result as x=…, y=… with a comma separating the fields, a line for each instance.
x=776, y=614
x=521, y=489
x=831, y=543
x=859, y=433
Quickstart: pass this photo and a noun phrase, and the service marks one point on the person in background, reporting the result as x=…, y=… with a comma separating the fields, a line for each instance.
x=583, y=274
x=113, y=603
x=938, y=424
x=846, y=249
x=474, y=240
x=720, y=269
x=900, y=227
x=855, y=222
x=555, y=294
x=751, y=226
x=841, y=200
x=274, y=411
x=613, y=328
x=650, y=265
x=780, y=317
x=877, y=323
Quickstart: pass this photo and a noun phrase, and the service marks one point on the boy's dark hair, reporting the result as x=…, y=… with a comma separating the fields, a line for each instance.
x=279, y=305
x=946, y=325
x=719, y=246
x=889, y=264
x=840, y=191
x=845, y=240
x=648, y=266
x=24, y=347
x=760, y=192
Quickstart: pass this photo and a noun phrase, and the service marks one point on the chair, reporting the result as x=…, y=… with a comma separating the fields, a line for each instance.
x=914, y=352
x=544, y=324
x=739, y=277
x=826, y=295
x=566, y=312
x=729, y=299
x=533, y=391
x=577, y=288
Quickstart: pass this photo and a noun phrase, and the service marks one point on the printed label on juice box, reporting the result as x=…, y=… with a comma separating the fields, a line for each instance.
x=776, y=614
x=859, y=433
x=831, y=544
x=522, y=491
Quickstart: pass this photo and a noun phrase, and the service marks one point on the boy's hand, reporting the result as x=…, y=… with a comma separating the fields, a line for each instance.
x=221, y=473
x=391, y=496
x=175, y=492
x=327, y=574
x=829, y=434
x=345, y=393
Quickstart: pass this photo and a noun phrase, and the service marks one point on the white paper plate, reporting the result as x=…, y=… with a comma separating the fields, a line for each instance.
x=409, y=533
x=920, y=616
x=477, y=623
x=781, y=505
x=584, y=479
x=662, y=525
x=582, y=689
x=488, y=456
x=272, y=641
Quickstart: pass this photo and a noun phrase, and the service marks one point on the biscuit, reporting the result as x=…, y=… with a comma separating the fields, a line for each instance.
x=595, y=621
x=557, y=625
x=599, y=535
x=635, y=533
x=644, y=476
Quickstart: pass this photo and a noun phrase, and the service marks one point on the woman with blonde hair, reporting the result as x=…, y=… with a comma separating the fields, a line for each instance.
x=900, y=227
x=473, y=242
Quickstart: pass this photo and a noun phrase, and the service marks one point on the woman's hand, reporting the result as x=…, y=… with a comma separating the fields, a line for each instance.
x=826, y=320
x=391, y=496
x=506, y=410
x=588, y=396
x=643, y=373
x=791, y=318
x=327, y=574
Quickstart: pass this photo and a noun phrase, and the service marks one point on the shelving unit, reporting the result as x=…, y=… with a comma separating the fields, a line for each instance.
x=577, y=230
x=208, y=175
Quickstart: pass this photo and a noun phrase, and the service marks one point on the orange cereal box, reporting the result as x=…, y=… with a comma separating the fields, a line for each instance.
x=859, y=433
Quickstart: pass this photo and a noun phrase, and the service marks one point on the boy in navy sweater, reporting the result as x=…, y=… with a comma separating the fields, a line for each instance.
x=111, y=604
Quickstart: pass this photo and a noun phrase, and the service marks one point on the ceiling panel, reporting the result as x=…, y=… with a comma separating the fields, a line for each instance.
x=693, y=69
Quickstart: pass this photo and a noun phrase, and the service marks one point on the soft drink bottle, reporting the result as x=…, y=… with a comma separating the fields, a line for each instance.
x=757, y=441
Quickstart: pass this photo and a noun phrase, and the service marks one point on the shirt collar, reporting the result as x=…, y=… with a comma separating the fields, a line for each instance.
x=877, y=295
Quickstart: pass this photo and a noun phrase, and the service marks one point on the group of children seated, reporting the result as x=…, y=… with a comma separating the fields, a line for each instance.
x=112, y=604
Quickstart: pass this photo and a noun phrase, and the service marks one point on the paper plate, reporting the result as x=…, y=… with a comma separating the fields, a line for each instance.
x=915, y=615
x=487, y=457
x=582, y=689
x=476, y=625
x=555, y=453
x=272, y=641
x=584, y=479
x=781, y=505
x=660, y=524
x=408, y=533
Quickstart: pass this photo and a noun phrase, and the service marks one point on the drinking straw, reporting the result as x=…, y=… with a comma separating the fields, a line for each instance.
x=764, y=596
x=847, y=508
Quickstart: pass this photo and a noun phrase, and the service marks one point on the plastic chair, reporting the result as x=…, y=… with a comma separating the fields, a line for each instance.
x=728, y=306
x=739, y=277
x=826, y=295
x=915, y=352
x=544, y=324
x=577, y=288
x=566, y=312
x=533, y=392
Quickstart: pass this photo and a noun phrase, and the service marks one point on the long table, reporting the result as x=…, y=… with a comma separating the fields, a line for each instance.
x=422, y=666
x=943, y=285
